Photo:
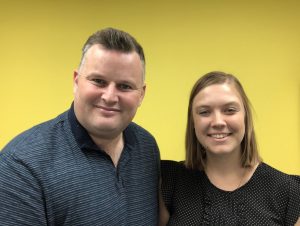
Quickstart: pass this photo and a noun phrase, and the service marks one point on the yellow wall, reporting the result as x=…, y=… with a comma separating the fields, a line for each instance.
x=259, y=41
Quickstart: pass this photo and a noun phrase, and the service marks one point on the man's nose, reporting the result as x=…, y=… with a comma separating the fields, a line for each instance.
x=110, y=94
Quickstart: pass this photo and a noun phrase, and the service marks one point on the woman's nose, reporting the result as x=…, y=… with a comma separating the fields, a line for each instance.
x=218, y=119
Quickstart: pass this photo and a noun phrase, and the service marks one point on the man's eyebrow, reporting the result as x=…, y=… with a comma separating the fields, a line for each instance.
x=94, y=75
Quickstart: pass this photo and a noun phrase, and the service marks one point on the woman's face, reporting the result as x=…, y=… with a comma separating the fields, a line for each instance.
x=219, y=119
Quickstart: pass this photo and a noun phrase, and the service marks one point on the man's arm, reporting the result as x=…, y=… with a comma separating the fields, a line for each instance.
x=20, y=194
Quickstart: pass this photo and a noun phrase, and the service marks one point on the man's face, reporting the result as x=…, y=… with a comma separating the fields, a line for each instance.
x=108, y=89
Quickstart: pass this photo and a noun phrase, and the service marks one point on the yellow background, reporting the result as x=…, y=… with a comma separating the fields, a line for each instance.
x=258, y=41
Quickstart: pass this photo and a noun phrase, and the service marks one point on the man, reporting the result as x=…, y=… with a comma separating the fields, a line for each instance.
x=91, y=165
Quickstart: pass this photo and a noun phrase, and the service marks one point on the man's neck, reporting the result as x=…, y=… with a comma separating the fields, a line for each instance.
x=113, y=147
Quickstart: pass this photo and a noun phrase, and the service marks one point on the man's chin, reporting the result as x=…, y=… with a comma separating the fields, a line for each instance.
x=103, y=129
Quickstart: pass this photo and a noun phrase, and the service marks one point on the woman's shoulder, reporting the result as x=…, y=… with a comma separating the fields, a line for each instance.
x=271, y=173
x=275, y=178
x=296, y=178
x=170, y=168
x=171, y=164
x=174, y=167
x=285, y=189
x=178, y=182
x=175, y=172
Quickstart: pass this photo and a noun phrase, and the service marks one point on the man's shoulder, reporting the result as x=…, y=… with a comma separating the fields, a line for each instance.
x=139, y=138
x=37, y=137
x=138, y=130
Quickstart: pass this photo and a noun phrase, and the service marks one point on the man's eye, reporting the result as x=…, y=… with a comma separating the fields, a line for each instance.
x=124, y=87
x=99, y=82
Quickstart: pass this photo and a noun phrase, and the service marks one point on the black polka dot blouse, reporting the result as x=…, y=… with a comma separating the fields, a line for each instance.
x=270, y=197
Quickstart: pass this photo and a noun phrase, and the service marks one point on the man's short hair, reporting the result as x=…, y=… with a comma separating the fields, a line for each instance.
x=114, y=39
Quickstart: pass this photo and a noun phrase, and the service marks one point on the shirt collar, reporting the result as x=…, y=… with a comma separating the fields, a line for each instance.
x=84, y=140
x=81, y=135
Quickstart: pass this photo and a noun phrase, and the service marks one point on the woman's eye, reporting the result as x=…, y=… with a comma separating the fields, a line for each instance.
x=203, y=113
x=230, y=110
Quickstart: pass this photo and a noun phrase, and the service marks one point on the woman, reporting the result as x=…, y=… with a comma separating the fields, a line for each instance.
x=223, y=180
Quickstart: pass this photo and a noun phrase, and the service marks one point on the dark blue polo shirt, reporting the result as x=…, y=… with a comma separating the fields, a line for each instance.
x=54, y=174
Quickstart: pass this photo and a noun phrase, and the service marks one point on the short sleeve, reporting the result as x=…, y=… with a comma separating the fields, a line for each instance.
x=20, y=194
x=169, y=174
x=293, y=208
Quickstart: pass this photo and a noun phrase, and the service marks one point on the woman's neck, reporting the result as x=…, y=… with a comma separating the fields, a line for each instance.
x=227, y=173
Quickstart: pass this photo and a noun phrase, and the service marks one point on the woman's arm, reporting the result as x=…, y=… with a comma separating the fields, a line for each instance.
x=298, y=222
x=163, y=212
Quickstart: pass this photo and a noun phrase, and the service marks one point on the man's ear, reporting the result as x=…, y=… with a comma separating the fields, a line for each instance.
x=143, y=91
x=75, y=80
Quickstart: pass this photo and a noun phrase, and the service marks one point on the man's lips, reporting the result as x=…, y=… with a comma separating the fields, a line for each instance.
x=108, y=108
